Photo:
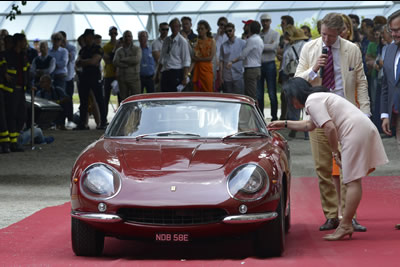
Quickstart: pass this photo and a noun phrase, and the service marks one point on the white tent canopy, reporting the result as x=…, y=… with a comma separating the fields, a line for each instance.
x=39, y=19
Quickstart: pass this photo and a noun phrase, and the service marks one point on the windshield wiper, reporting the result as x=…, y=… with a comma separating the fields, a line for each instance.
x=177, y=133
x=168, y=133
x=245, y=133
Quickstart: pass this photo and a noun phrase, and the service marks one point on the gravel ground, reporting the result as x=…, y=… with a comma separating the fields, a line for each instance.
x=39, y=178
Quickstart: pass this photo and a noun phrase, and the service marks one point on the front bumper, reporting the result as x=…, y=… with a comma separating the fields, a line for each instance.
x=235, y=219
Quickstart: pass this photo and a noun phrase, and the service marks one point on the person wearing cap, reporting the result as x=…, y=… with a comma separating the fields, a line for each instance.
x=251, y=57
x=344, y=77
x=127, y=60
x=15, y=81
x=109, y=68
x=246, y=30
x=268, y=66
x=290, y=59
x=89, y=60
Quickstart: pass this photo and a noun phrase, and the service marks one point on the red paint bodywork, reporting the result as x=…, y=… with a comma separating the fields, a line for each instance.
x=199, y=168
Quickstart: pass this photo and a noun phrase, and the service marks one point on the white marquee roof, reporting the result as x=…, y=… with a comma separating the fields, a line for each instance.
x=39, y=19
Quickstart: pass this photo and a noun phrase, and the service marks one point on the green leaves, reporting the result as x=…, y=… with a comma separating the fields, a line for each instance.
x=15, y=11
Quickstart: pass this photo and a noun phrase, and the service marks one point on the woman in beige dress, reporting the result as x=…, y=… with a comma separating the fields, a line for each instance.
x=362, y=148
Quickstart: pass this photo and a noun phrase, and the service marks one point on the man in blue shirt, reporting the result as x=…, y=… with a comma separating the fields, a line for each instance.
x=232, y=79
x=147, y=64
x=69, y=83
x=59, y=75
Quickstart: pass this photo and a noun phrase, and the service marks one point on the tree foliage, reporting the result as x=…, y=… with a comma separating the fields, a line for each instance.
x=15, y=11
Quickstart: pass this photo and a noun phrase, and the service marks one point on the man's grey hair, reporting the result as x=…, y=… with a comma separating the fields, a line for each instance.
x=142, y=32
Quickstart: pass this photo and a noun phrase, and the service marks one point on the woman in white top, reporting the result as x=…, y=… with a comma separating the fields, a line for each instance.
x=343, y=123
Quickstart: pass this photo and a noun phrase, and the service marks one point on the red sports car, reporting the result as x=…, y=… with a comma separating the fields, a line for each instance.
x=176, y=167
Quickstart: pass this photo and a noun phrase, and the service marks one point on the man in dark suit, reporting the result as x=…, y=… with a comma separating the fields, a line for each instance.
x=390, y=94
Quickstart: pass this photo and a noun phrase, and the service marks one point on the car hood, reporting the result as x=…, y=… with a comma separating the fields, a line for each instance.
x=176, y=155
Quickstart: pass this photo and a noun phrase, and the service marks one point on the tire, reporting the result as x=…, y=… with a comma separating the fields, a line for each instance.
x=270, y=239
x=287, y=220
x=86, y=241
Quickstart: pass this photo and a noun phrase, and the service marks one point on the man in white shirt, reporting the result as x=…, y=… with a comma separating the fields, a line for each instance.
x=268, y=66
x=175, y=59
x=251, y=57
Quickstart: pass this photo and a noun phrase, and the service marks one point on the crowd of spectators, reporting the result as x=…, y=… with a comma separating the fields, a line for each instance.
x=182, y=60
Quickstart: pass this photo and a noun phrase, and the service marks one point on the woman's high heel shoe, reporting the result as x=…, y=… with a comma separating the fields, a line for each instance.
x=341, y=232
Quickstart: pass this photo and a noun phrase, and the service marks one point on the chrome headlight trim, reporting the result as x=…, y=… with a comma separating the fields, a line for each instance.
x=260, y=193
x=83, y=188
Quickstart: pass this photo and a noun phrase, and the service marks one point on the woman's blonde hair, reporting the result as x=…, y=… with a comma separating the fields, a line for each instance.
x=349, y=25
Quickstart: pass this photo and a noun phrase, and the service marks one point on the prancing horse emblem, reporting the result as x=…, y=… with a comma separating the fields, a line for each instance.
x=173, y=188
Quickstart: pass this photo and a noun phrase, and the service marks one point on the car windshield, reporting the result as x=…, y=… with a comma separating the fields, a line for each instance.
x=186, y=119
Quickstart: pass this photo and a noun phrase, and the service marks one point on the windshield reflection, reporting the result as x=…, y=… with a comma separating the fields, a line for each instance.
x=206, y=119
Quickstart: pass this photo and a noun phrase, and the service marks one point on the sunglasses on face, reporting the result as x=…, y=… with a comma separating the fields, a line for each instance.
x=221, y=24
x=164, y=29
x=229, y=31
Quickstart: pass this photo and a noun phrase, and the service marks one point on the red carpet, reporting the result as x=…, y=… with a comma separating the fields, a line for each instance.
x=43, y=239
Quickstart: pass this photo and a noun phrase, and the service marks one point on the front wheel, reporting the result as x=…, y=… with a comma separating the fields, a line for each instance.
x=270, y=239
x=86, y=241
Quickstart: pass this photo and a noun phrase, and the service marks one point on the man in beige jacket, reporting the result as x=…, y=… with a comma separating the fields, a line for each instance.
x=348, y=81
x=127, y=61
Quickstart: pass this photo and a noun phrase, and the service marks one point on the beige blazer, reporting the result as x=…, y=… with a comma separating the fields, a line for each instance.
x=354, y=81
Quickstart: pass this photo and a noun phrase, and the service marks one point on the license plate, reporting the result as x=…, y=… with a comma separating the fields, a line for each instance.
x=172, y=237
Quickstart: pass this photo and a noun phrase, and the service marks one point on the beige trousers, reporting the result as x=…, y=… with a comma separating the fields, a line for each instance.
x=322, y=154
x=129, y=86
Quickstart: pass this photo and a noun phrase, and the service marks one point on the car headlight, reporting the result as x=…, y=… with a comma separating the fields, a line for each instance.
x=100, y=181
x=248, y=183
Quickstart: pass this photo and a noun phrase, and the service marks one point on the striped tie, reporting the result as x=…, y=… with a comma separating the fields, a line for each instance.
x=328, y=80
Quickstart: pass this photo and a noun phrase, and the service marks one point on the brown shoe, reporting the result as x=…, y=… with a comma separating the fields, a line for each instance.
x=330, y=224
x=397, y=226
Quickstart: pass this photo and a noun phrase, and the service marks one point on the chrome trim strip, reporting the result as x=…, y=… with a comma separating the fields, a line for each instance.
x=250, y=218
x=96, y=217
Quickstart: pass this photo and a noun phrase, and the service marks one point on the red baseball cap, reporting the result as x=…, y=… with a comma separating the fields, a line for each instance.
x=247, y=22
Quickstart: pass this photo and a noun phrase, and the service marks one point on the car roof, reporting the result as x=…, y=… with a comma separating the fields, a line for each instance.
x=191, y=96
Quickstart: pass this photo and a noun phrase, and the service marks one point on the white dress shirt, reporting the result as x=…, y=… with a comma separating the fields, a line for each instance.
x=251, y=54
x=175, y=53
x=336, y=69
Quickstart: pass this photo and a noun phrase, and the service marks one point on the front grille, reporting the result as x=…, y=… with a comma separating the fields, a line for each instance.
x=172, y=216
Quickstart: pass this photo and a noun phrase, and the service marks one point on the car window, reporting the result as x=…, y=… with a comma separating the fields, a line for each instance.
x=208, y=119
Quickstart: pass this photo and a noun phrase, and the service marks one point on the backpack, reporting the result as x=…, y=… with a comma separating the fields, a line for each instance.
x=290, y=68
